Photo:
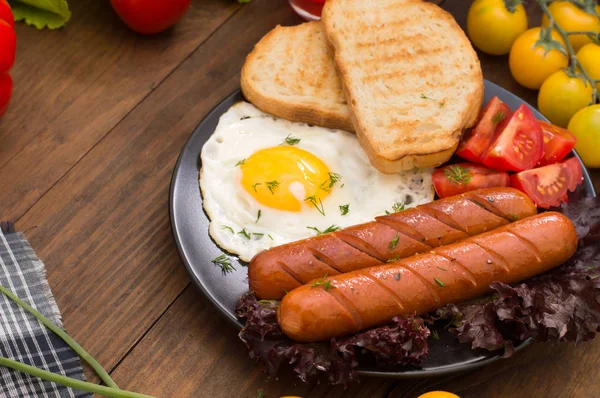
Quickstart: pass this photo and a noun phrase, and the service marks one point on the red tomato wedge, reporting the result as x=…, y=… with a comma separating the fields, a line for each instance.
x=518, y=145
x=547, y=186
x=558, y=142
x=478, y=139
x=463, y=177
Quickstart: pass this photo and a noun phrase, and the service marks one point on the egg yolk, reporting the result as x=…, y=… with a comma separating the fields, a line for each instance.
x=283, y=177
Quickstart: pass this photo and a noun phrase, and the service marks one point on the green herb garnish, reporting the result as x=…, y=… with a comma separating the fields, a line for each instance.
x=398, y=207
x=333, y=179
x=224, y=262
x=289, y=140
x=272, y=185
x=395, y=258
x=229, y=228
x=270, y=237
x=258, y=216
x=322, y=282
x=443, y=269
x=244, y=233
x=255, y=185
x=331, y=228
x=426, y=97
x=394, y=242
x=344, y=209
x=316, y=202
x=513, y=216
x=434, y=334
x=497, y=118
x=457, y=175
x=241, y=162
x=439, y=282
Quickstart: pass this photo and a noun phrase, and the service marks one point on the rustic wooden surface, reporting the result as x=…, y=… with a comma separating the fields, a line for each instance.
x=98, y=117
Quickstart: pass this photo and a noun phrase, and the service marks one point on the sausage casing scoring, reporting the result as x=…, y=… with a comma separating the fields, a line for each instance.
x=273, y=272
x=425, y=282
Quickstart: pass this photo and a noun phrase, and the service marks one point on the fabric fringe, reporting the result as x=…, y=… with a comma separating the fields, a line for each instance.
x=7, y=227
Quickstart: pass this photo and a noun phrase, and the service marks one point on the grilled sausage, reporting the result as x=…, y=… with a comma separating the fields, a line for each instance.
x=273, y=272
x=461, y=271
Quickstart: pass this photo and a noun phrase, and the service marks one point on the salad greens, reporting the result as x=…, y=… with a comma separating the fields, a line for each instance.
x=50, y=14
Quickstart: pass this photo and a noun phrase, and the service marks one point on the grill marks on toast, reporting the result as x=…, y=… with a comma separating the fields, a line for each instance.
x=394, y=51
x=290, y=74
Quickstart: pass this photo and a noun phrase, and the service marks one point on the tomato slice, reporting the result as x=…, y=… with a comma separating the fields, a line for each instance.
x=463, y=177
x=547, y=186
x=558, y=142
x=519, y=143
x=478, y=139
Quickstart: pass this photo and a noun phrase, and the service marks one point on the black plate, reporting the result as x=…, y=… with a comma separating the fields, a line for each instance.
x=190, y=227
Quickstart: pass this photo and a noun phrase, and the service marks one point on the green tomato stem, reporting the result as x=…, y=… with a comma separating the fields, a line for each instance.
x=63, y=335
x=69, y=382
x=583, y=32
x=575, y=65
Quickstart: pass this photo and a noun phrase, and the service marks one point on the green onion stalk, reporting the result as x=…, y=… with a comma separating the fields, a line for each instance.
x=110, y=390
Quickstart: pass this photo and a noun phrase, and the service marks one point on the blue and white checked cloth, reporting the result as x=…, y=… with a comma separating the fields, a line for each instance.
x=22, y=337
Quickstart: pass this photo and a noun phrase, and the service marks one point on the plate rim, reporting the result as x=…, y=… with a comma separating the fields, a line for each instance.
x=403, y=374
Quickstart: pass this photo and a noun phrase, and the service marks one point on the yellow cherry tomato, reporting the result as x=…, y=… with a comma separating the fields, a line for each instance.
x=529, y=64
x=585, y=125
x=438, y=394
x=493, y=28
x=572, y=19
x=589, y=57
x=561, y=96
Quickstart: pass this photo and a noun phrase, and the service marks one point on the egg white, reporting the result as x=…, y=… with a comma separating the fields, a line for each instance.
x=243, y=130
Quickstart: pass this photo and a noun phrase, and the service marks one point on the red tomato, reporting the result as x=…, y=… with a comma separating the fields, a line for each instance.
x=519, y=143
x=558, y=142
x=548, y=186
x=463, y=177
x=478, y=139
x=6, y=13
x=8, y=47
x=150, y=16
x=6, y=86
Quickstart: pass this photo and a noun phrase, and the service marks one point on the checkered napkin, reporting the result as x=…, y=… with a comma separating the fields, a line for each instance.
x=22, y=337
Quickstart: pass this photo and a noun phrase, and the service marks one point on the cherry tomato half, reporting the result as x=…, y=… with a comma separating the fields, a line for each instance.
x=558, y=142
x=6, y=14
x=150, y=16
x=548, y=186
x=518, y=145
x=463, y=177
x=8, y=49
x=477, y=140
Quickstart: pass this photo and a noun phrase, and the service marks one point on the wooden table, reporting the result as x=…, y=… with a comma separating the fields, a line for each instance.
x=97, y=120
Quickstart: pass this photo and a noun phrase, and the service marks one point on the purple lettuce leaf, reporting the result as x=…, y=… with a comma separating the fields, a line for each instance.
x=402, y=344
x=562, y=305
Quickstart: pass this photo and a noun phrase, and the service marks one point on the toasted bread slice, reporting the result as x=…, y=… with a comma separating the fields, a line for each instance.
x=411, y=78
x=291, y=74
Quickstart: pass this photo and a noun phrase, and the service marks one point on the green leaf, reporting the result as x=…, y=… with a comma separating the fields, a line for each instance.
x=50, y=14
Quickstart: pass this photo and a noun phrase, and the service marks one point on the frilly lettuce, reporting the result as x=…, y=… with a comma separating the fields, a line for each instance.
x=50, y=14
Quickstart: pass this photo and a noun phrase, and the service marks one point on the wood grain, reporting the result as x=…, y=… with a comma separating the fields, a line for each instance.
x=193, y=344
x=104, y=226
x=91, y=74
x=98, y=119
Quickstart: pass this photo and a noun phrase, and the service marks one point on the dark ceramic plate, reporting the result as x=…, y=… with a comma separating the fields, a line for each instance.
x=190, y=227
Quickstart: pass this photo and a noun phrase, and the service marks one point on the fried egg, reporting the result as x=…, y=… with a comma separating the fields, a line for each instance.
x=267, y=181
